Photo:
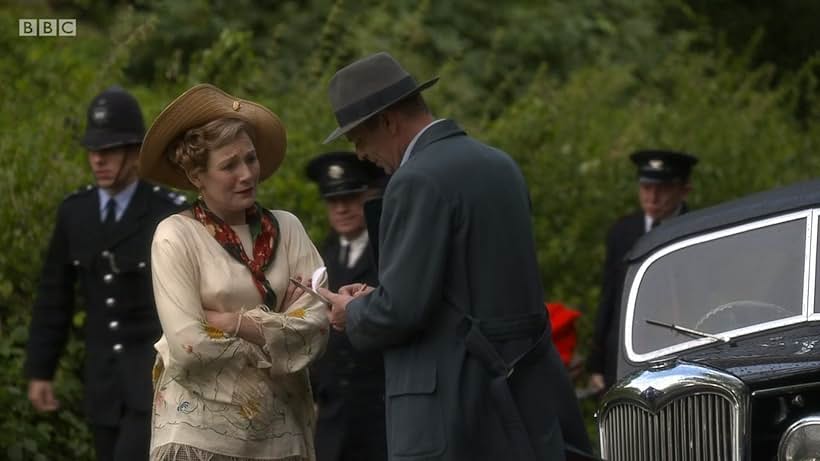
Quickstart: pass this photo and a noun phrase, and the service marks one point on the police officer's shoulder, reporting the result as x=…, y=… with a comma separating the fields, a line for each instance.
x=165, y=194
x=77, y=200
x=81, y=191
x=629, y=218
x=78, y=194
x=624, y=224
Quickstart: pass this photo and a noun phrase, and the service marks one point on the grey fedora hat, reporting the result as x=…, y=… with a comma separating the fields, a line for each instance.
x=366, y=87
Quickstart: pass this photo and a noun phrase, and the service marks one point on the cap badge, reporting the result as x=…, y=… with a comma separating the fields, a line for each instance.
x=335, y=172
x=236, y=105
x=656, y=164
x=99, y=114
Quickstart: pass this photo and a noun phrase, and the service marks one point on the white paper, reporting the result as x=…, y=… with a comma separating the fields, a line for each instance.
x=318, y=278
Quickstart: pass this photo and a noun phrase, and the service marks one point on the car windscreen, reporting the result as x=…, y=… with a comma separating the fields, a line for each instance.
x=722, y=284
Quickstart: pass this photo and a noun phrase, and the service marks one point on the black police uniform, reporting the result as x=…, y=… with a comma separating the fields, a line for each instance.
x=348, y=384
x=653, y=166
x=111, y=264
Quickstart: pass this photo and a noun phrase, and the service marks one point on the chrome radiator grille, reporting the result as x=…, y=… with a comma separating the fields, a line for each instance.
x=697, y=427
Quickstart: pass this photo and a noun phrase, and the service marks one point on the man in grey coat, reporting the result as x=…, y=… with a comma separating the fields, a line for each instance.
x=470, y=370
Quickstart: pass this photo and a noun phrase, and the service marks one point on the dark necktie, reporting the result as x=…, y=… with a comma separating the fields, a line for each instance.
x=655, y=223
x=110, y=215
x=345, y=255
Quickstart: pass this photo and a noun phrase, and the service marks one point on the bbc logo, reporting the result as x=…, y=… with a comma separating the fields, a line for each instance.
x=47, y=27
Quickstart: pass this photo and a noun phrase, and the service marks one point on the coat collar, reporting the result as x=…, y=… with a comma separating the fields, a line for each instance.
x=441, y=130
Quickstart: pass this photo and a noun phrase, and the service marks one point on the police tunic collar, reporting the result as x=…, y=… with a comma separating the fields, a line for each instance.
x=122, y=199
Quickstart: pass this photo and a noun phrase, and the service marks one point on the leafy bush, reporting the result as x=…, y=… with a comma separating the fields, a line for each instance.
x=569, y=88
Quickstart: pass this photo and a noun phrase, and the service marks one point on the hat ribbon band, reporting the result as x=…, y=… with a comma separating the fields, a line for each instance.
x=366, y=106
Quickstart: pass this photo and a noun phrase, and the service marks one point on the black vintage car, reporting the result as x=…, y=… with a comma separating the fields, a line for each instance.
x=720, y=336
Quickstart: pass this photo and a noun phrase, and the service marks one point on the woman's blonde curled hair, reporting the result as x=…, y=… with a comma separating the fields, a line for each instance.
x=191, y=150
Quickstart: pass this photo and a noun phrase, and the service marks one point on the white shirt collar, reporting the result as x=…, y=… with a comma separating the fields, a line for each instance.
x=121, y=198
x=357, y=247
x=412, y=144
x=647, y=220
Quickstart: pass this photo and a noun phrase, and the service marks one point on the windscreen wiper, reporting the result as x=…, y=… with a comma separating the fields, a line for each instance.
x=688, y=331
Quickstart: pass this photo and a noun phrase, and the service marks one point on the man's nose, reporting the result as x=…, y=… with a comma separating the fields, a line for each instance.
x=653, y=194
x=96, y=156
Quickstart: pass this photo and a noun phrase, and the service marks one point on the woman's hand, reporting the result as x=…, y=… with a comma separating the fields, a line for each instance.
x=293, y=292
x=223, y=321
x=228, y=322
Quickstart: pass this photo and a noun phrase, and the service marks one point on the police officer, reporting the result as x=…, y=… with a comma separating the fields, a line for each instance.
x=102, y=239
x=348, y=384
x=663, y=184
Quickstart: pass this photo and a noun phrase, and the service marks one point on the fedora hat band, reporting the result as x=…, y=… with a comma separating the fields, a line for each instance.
x=368, y=105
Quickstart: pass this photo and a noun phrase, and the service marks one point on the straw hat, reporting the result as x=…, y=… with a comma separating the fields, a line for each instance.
x=199, y=105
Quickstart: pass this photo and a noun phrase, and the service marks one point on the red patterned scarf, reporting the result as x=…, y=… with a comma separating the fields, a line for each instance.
x=265, y=234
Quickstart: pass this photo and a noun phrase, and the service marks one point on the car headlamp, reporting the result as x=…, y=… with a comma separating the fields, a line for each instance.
x=801, y=441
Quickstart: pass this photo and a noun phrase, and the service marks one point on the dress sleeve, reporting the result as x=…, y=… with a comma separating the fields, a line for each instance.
x=296, y=337
x=190, y=343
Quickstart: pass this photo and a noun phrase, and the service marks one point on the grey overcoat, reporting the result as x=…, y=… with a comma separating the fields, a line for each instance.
x=459, y=300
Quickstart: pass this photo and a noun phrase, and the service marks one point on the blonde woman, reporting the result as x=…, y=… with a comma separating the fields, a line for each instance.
x=231, y=380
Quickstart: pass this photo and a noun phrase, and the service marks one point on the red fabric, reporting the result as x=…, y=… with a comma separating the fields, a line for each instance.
x=265, y=233
x=564, y=334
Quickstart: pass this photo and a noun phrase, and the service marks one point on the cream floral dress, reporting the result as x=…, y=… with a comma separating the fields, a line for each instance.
x=218, y=397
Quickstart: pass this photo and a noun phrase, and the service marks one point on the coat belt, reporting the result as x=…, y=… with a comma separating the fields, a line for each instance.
x=477, y=335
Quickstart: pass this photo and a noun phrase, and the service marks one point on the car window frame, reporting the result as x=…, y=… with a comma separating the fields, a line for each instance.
x=811, y=218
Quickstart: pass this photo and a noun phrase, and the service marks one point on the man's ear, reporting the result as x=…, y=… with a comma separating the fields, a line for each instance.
x=390, y=119
x=687, y=187
x=131, y=156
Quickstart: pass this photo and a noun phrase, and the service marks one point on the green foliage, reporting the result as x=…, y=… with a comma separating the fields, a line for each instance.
x=25, y=435
x=569, y=88
x=42, y=162
x=572, y=139
x=789, y=27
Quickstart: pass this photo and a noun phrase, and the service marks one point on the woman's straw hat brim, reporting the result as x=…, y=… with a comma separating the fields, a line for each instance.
x=199, y=105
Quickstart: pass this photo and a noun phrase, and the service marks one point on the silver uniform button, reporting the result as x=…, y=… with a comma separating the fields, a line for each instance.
x=117, y=347
x=108, y=278
x=106, y=253
x=113, y=325
x=141, y=265
x=76, y=262
x=110, y=302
